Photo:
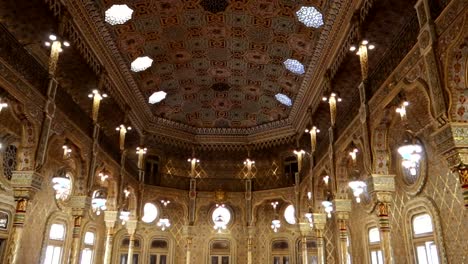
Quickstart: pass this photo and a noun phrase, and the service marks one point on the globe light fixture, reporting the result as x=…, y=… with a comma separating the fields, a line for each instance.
x=410, y=152
x=118, y=14
x=221, y=217
x=61, y=185
x=164, y=222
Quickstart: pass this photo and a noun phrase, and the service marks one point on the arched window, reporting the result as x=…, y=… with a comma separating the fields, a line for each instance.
x=55, y=243
x=423, y=239
x=87, y=254
x=159, y=252
x=9, y=161
x=124, y=250
x=312, y=257
x=280, y=252
x=150, y=213
x=220, y=252
x=289, y=215
x=376, y=256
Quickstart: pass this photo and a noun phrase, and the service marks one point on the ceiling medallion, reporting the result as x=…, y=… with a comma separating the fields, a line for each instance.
x=284, y=99
x=294, y=66
x=157, y=97
x=141, y=64
x=220, y=87
x=118, y=14
x=214, y=6
x=310, y=16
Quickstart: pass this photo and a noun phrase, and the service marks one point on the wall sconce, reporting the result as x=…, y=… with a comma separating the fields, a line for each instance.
x=55, y=44
x=361, y=50
x=97, y=98
x=103, y=175
x=123, y=131
x=164, y=222
x=326, y=179
x=275, y=223
x=353, y=154
x=125, y=212
x=141, y=151
x=332, y=101
x=402, y=110
x=313, y=137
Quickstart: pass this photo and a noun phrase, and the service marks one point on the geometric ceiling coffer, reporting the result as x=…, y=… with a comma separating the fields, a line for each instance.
x=214, y=6
x=141, y=64
x=118, y=14
x=294, y=66
x=220, y=87
x=310, y=16
x=284, y=99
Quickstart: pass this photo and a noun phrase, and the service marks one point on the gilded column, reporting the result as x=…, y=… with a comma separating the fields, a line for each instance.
x=343, y=208
x=304, y=227
x=17, y=232
x=189, y=248
x=131, y=228
x=110, y=217
x=75, y=250
x=382, y=188
x=25, y=184
x=320, y=220
x=250, y=240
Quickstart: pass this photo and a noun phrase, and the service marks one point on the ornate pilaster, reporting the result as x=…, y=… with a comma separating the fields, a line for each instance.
x=382, y=188
x=305, y=229
x=131, y=226
x=25, y=185
x=343, y=208
x=188, y=233
x=364, y=119
x=80, y=205
x=251, y=231
x=94, y=152
x=193, y=200
x=320, y=220
x=110, y=217
x=426, y=40
x=452, y=143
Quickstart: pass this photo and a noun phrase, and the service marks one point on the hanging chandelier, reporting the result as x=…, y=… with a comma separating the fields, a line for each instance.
x=328, y=205
x=275, y=223
x=310, y=217
x=410, y=152
x=358, y=188
x=61, y=185
x=98, y=203
x=219, y=221
x=164, y=222
x=124, y=215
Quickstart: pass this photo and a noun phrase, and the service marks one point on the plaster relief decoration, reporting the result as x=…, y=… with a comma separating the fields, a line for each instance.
x=220, y=62
x=457, y=79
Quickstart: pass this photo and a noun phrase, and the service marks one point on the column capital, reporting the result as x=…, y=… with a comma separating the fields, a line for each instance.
x=320, y=219
x=25, y=184
x=79, y=204
x=110, y=217
x=305, y=228
x=342, y=205
x=131, y=226
x=452, y=143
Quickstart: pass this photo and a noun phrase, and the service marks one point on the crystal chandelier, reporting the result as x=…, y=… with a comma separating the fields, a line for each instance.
x=125, y=212
x=164, y=222
x=328, y=205
x=410, y=152
x=294, y=66
x=118, y=14
x=98, y=203
x=310, y=16
x=275, y=223
x=310, y=217
x=103, y=175
x=61, y=185
x=219, y=221
x=66, y=151
x=358, y=188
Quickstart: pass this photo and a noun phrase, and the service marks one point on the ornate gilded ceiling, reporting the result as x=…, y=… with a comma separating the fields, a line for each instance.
x=220, y=62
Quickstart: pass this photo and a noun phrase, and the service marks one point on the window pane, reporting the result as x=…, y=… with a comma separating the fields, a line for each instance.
x=422, y=224
x=376, y=257
x=312, y=260
x=214, y=260
x=374, y=235
x=123, y=258
x=153, y=259
x=57, y=232
x=380, y=256
x=276, y=260
x=289, y=215
x=150, y=213
x=162, y=259
x=225, y=260
x=421, y=254
x=285, y=260
x=89, y=238
x=87, y=256
x=53, y=255
x=433, y=256
x=135, y=258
